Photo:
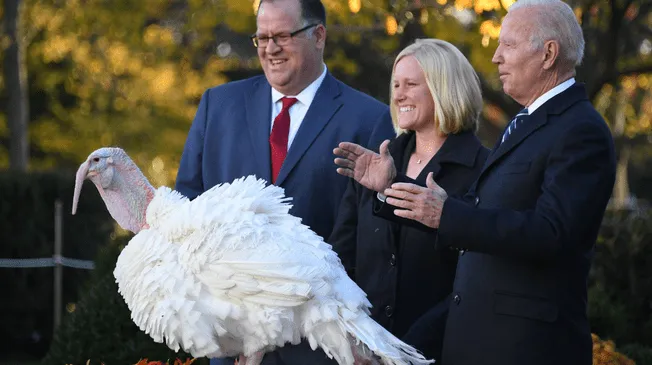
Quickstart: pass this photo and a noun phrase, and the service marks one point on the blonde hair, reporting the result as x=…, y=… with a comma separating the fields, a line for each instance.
x=453, y=84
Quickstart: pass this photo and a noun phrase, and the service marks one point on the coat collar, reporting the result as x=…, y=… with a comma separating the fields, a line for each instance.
x=461, y=148
x=538, y=119
x=258, y=107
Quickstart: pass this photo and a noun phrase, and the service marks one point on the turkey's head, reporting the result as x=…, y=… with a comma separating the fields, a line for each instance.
x=123, y=187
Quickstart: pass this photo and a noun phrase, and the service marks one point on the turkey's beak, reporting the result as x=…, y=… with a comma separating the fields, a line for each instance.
x=82, y=174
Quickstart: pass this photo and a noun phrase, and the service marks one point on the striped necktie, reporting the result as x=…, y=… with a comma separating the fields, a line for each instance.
x=518, y=119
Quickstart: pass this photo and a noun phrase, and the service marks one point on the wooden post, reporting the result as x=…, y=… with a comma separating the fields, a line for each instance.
x=58, y=268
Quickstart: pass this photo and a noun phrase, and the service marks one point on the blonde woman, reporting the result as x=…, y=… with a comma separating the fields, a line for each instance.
x=435, y=106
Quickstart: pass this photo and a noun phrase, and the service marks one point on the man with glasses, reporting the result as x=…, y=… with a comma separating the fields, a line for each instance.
x=282, y=127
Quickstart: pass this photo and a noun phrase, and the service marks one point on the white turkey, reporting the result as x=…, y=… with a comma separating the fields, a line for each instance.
x=232, y=273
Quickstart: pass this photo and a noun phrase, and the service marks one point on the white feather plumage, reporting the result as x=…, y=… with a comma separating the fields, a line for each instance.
x=232, y=272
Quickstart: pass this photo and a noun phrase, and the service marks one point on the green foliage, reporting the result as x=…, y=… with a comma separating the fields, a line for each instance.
x=620, y=285
x=27, y=231
x=131, y=73
x=117, y=73
x=100, y=329
x=642, y=355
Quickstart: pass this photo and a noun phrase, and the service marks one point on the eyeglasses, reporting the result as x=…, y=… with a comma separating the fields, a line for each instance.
x=281, y=39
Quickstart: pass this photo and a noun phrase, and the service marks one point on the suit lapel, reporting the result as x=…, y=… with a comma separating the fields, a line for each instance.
x=555, y=106
x=535, y=121
x=258, y=108
x=321, y=110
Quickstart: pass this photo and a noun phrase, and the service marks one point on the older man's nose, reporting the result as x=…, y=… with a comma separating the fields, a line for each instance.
x=497, y=58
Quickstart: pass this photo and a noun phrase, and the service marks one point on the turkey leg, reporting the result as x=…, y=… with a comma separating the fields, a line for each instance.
x=254, y=359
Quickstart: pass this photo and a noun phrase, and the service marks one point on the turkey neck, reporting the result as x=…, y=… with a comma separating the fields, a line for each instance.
x=127, y=198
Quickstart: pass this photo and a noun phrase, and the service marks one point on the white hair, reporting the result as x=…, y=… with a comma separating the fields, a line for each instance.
x=555, y=20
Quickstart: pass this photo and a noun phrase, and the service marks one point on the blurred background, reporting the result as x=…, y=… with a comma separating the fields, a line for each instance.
x=81, y=74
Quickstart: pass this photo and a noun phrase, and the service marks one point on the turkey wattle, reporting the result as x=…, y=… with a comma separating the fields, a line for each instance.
x=232, y=272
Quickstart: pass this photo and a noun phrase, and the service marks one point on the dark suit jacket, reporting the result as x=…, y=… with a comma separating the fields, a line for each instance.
x=520, y=291
x=396, y=264
x=229, y=139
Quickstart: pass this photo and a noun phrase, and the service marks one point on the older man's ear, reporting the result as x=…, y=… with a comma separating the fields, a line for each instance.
x=551, y=54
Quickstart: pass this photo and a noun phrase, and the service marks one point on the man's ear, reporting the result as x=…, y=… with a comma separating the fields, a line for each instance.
x=320, y=35
x=550, y=54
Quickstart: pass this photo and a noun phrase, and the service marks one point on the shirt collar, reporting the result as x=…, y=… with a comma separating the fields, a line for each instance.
x=306, y=96
x=550, y=94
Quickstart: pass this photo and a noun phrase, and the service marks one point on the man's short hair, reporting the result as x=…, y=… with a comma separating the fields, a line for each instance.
x=312, y=11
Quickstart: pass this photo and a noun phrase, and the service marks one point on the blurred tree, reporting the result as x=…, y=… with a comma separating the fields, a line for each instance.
x=365, y=35
x=120, y=73
x=116, y=73
x=131, y=73
x=15, y=76
x=105, y=73
x=617, y=35
x=618, y=56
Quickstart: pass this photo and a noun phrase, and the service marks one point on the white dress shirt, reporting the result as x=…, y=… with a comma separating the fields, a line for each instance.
x=550, y=94
x=299, y=109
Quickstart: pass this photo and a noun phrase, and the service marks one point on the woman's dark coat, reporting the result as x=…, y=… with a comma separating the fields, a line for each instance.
x=397, y=264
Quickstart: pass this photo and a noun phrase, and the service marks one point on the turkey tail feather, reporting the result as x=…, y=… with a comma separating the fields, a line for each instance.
x=382, y=343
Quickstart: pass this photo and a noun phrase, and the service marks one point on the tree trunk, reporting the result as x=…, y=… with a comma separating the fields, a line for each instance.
x=621, y=187
x=15, y=75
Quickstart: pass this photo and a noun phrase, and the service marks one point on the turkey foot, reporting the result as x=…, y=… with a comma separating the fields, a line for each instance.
x=254, y=359
x=362, y=357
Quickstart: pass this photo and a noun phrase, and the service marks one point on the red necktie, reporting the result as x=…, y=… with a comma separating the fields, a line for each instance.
x=278, y=140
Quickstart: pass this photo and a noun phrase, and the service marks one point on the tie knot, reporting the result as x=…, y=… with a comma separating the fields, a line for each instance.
x=518, y=119
x=288, y=102
x=522, y=113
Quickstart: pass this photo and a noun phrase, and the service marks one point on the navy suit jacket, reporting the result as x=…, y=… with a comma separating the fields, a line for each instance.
x=527, y=230
x=229, y=139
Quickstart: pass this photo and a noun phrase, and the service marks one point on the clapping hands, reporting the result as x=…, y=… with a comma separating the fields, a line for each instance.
x=422, y=204
x=374, y=171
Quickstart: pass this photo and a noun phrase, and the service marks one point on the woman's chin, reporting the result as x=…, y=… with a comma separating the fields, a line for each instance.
x=406, y=125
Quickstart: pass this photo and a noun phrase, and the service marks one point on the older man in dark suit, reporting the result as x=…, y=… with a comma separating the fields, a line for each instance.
x=527, y=228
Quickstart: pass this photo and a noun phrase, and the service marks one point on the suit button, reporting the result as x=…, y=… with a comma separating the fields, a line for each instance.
x=389, y=311
x=457, y=299
x=477, y=200
x=392, y=260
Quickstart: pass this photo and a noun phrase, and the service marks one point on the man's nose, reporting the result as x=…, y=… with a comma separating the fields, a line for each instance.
x=272, y=47
x=497, y=58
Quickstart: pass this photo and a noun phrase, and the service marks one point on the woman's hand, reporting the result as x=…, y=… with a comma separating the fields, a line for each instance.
x=372, y=170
